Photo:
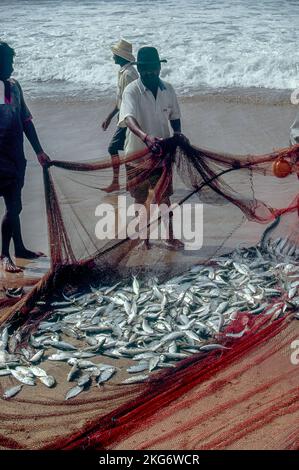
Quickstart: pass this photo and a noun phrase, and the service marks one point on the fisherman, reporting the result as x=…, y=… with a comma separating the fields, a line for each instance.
x=148, y=106
x=294, y=131
x=122, y=56
x=15, y=119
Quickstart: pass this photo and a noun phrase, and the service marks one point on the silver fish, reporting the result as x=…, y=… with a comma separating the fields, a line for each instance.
x=135, y=379
x=154, y=361
x=11, y=392
x=136, y=287
x=48, y=380
x=73, y=392
x=60, y=356
x=142, y=366
x=37, y=356
x=60, y=345
x=37, y=371
x=212, y=347
x=81, y=363
x=84, y=380
x=4, y=339
x=25, y=379
x=73, y=372
x=106, y=375
x=24, y=370
x=4, y=372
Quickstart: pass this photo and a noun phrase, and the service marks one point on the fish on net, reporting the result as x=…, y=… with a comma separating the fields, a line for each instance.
x=245, y=273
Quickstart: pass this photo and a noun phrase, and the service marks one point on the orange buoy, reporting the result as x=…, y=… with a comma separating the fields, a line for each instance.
x=281, y=168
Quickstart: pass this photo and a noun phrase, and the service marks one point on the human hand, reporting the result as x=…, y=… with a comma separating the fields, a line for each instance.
x=153, y=144
x=43, y=159
x=106, y=124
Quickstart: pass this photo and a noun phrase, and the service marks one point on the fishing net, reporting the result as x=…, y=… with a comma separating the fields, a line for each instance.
x=226, y=209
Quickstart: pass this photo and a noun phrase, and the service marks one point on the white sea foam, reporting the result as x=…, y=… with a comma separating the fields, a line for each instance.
x=63, y=47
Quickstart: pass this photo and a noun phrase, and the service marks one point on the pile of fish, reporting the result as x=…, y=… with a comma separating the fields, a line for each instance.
x=153, y=325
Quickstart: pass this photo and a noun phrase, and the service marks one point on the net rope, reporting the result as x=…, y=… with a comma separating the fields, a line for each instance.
x=240, y=196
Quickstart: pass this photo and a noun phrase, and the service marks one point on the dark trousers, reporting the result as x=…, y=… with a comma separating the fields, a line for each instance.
x=118, y=141
x=11, y=227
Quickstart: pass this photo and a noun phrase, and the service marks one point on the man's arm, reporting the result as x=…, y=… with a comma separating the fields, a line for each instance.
x=175, y=120
x=176, y=126
x=150, y=141
x=134, y=126
x=109, y=118
x=31, y=135
x=29, y=130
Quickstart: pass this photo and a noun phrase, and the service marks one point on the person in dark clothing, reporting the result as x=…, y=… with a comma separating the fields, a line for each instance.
x=15, y=120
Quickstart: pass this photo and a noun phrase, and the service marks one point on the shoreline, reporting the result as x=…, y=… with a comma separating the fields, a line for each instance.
x=250, y=95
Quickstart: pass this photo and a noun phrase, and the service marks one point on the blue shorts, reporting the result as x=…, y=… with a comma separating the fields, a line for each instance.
x=118, y=141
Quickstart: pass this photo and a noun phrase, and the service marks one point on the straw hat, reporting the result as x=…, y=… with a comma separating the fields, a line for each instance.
x=123, y=49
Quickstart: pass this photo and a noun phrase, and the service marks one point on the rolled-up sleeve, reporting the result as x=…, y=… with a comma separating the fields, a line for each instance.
x=175, y=111
x=128, y=106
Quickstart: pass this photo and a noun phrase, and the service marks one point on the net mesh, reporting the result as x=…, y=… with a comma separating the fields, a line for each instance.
x=240, y=198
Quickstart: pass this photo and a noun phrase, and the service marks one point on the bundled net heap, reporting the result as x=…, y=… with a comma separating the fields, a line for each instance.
x=224, y=302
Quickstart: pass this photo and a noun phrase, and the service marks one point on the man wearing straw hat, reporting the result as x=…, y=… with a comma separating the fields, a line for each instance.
x=122, y=55
x=148, y=106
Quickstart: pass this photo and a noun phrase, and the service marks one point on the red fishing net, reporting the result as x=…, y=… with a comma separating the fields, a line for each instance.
x=235, y=192
x=233, y=203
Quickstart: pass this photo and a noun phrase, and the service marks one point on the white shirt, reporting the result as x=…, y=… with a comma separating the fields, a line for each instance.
x=294, y=131
x=153, y=115
x=126, y=75
x=2, y=92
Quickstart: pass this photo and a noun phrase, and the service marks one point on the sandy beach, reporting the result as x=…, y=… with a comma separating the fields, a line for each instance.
x=221, y=368
x=238, y=122
x=71, y=131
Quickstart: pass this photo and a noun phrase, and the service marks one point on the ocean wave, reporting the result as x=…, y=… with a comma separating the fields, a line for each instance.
x=209, y=44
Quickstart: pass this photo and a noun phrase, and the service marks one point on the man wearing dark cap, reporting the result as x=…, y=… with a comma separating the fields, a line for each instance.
x=122, y=56
x=148, y=106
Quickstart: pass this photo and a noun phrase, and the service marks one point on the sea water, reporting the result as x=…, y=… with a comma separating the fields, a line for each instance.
x=64, y=46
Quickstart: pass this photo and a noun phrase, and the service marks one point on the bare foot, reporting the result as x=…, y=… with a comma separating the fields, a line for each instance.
x=174, y=244
x=9, y=266
x=112, y=187
x=27, y=254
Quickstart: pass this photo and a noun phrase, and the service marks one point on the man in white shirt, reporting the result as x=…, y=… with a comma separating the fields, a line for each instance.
x=148, y=106
x=294, y=131
x=122, y=55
